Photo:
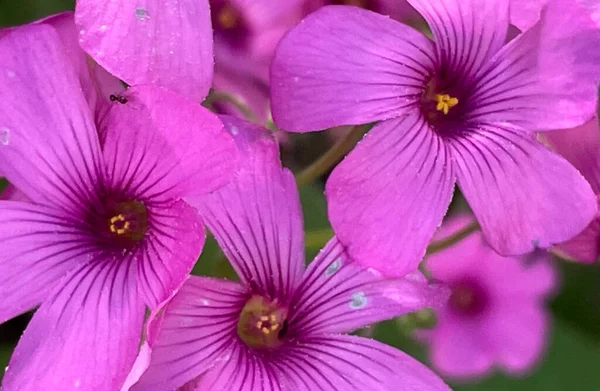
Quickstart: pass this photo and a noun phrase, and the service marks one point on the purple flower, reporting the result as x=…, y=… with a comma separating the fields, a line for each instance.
x=461, y=108
x=496, y=313
x=581, y=147
x=168, y=43
x=281, y=327
x=105, y=232
x=246, y=33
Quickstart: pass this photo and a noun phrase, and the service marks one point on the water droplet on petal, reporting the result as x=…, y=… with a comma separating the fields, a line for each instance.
x=103, y=27
x=10, y=74
x=234, y=130
x=358, y=300
x=141, y=13
x=77, y=383
x=204, y=302
x=333, y=267
x=4, y=135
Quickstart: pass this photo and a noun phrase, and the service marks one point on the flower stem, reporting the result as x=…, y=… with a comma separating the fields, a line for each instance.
x=450, y=240
x=331, y=157
x=220, y=96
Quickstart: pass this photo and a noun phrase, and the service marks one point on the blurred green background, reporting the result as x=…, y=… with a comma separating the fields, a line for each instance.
x=573, y=353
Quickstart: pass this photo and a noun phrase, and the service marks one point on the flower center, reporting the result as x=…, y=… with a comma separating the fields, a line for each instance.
x=128, y=220
x=227, y=17
x=468, y=298
x=262, y=323
x=445, y=102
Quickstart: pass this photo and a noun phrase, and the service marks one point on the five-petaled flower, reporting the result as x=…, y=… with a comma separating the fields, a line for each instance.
x=281, y=327
x=464, y=107
x=101, y=230
x=496, y=313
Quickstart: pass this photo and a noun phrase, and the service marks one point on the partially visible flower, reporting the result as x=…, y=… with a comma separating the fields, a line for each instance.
x=103, y=231
x=246, y=33
x=525, y=13
x=581, y=147
x=396, y=9
x=496, y=315
x=282, y=327
x=168, y=43
x=463, y=108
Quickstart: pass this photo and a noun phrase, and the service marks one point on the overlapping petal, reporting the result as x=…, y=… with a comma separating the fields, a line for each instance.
x=344, y=362
x=48, y=143
x=85, y=336
x=509, y=180
x=169, y=251
x=192, y=332
x=338, y=295
x=39, y=248
x=151, y=41
x=467, y=32
x=547, y=77
x=585, y=247
x=257, y=218
x=581, y=147
x=162, y=145
x=345, y=66
x=525, y=13
x=390, y=193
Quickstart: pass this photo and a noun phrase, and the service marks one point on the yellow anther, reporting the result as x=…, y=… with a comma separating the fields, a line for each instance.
x=264, y=318
x=272, y=318
x=445, y=102
x=266, y=331
x=274, y=326
x=259, y=324
x=119, y=231
x=228, y=17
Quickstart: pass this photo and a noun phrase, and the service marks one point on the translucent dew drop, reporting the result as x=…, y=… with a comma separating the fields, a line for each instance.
x=4, y=135
x=333, y=267
x=358, y=300
x=141, y=14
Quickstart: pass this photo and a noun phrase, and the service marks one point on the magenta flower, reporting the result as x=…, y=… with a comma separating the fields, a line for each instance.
x=106, y=232
x=246, y=33
x=581, y=147
x=461, y=108
x=396, y=9
x=168, y=43
x=280, y=327
x=496, y=314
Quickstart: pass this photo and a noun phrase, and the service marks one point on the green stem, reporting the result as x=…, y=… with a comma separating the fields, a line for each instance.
x=332, y=156
x=456, y=237
x=220, y=96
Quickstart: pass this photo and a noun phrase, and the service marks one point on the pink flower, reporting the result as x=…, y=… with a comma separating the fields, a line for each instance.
x=463, y=108
x=281, y=327
x=496, y=314
x=168, y=43
x=581, y=147
x=246, y=33
x=103, y=231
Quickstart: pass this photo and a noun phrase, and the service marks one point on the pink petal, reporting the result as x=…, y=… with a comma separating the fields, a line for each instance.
x=509, y=180
x=467, y=32
x=193, y=332
x=338, y=295
x=518, y=335
x=243, y=371
x=584, y=247
x=170, y=249
x=390, y=193
x=86, y=336
x=97, y=84
x=344, y=66
x=257, y=218
x=526, y=13
x=11, y=193
x=151, y=41
x=581, y=147
x=459, y=349
x=39, y=248
x=546, y=78
x=344, y=362
x=48, y=143
x=160, y=144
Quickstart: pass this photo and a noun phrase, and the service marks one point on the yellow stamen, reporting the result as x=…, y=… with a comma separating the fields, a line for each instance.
x=228, y=18
x=266, y=331
x=113, y=227
x=274, y=326
x=445, y=102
